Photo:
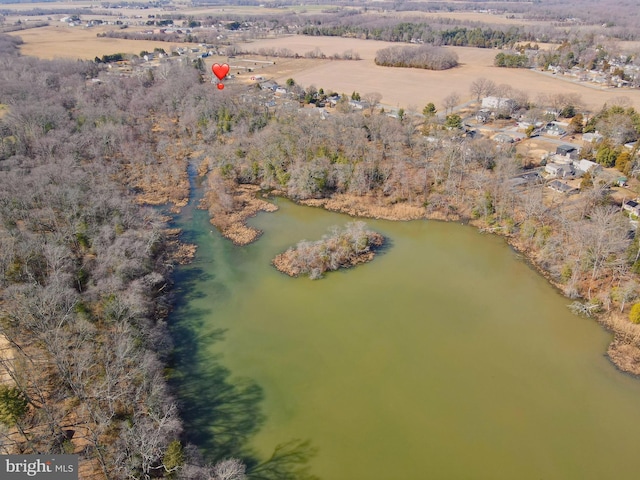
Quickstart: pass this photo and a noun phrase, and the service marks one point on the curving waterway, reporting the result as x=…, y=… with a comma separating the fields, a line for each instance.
x=447, y=357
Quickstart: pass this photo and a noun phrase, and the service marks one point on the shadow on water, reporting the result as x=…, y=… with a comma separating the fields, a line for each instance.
x=385, y=247
x=220, y=415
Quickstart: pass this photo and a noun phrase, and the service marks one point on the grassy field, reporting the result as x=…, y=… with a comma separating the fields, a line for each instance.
x=61, y=41
x=413, y=87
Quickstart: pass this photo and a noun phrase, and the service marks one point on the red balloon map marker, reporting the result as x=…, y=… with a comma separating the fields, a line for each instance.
x=220, y=71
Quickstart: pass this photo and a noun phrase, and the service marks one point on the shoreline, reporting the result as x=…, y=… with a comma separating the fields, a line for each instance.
x=624, y=349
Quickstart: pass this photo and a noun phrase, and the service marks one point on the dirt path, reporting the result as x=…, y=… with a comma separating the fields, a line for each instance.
x=6, y=355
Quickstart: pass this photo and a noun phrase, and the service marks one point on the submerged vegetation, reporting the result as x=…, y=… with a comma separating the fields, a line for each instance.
x=339, y=249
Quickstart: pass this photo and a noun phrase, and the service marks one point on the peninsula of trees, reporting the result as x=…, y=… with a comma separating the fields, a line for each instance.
x=341, y=248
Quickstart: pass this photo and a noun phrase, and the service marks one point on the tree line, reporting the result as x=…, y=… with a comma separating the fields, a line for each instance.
x=423, y=32
x=511, y=60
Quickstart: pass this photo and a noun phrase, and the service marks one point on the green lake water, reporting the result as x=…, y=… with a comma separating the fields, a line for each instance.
x=447, y=357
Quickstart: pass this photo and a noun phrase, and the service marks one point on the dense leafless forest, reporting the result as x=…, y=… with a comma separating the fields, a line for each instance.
x=84, y=278
x=85, y=286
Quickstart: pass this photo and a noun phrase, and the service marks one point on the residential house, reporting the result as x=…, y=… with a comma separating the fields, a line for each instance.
x=632, y=206
x=562, y=187
x=498, y=103
x=558, y=159
x=269, y=86
x=503, y=138
x=333, y=100
x=558, y=170
x=483, y=116
x=592, y=137
x=525, y=179
x=555, y=130
x=583, y=166
x=358, y=105
x=566, y=150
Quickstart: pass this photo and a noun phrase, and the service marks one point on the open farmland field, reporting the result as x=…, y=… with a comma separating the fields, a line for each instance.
x=142, y=8
x=282, y=68
x=46, y=5
x=53, y=11
x=414, y=87
x=60, y=41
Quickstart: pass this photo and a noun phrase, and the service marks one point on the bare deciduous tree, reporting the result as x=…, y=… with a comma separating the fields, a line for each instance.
x=482, y=87
x=450, y=102
x=373, y=99
x=230, y=469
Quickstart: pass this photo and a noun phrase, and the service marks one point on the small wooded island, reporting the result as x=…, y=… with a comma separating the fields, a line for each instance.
x=338, y=249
